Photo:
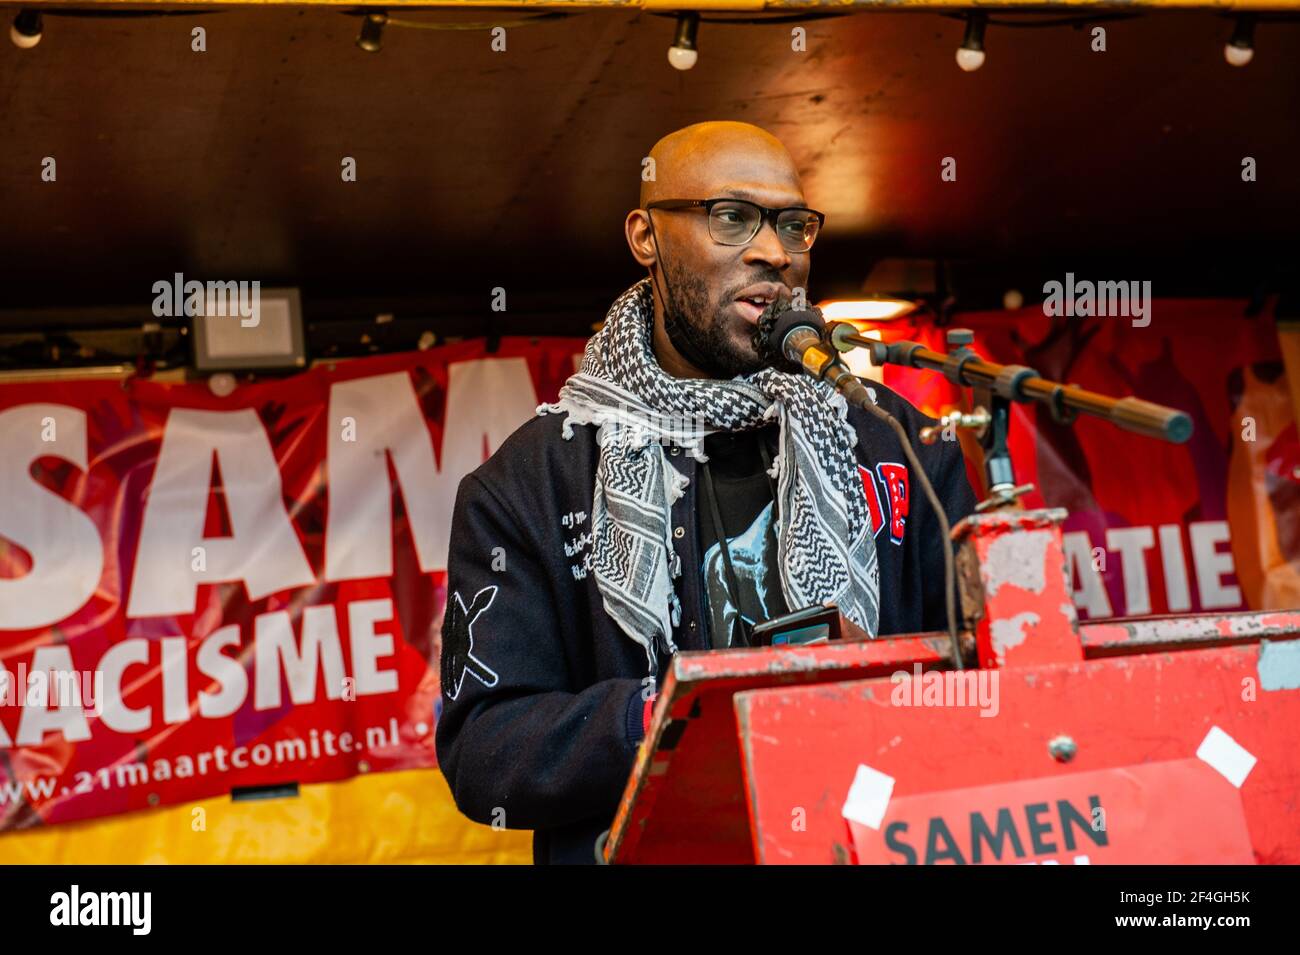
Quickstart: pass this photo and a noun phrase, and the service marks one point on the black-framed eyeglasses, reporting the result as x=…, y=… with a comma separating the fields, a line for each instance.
x=737, y=221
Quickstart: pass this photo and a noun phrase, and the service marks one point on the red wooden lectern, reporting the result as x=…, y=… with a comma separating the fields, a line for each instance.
x=1160, y=740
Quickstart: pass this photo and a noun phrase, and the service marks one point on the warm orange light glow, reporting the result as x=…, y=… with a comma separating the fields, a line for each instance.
x=866, y=310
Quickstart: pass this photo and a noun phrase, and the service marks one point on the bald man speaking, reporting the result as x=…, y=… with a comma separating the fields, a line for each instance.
x=682, y=491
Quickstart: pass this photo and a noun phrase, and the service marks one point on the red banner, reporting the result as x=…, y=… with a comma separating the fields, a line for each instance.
x=1210, y=525
x=201, y=593
x=185, y=608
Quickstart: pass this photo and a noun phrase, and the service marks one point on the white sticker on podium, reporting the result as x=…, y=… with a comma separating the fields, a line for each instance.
x=1226, y=755
x=868, y=797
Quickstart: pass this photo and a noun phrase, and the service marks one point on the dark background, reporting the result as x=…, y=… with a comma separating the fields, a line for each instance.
x=479, y=169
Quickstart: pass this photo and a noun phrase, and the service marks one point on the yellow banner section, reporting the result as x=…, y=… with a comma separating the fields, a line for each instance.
x=384, y=817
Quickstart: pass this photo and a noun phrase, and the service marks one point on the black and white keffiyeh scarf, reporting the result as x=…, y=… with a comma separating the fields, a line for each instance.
x=824, y=541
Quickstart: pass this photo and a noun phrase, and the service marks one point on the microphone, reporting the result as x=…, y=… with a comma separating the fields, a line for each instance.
x=797, y=337
x=793, y=332
x=793, y=340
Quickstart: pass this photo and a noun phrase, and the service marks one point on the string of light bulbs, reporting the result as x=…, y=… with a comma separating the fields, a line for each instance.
x=1238, y=51
x=683, y=54
x=28, y=24
x=373, y=22
x=28, y=27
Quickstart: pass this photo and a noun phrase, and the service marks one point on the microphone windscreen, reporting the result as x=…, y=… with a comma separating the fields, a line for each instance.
x=775, y=324
x=792, y=319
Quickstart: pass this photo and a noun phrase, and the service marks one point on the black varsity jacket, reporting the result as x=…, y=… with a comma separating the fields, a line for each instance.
x=542, y=702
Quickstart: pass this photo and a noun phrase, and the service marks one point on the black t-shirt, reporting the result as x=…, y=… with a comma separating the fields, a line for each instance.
x=746, y=507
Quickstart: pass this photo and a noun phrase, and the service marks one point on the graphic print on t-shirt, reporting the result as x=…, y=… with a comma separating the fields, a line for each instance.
x=753, y=558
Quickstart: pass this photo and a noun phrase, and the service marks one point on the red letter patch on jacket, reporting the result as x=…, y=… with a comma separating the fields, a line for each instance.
x=894, y=477
x=873, y=499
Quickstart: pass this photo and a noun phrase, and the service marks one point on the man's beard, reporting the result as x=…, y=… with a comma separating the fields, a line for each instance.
x=701, y=331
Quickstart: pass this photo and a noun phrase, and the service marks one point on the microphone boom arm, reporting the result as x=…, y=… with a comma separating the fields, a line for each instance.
x=963, y=367
x=996, y=386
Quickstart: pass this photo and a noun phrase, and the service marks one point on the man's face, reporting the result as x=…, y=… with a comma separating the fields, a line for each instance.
x=717, y=293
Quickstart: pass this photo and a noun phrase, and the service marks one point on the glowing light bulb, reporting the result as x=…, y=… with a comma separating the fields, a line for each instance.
x=682, y=59
x=1238, y=55
x=1240, y=50
x=683, y=55
x=25, y=31
x=970, y=55
x=970, y=60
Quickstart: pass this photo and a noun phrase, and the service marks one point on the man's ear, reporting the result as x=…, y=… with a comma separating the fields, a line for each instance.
x=637, y=229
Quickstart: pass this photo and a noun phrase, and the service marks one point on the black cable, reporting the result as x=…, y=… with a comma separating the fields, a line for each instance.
x=120, y=14
x=672, y=327
x=400, y=21
x=720, y=533
x=659, y=261
x=1074, y=20
x=753, y=21
x=949, y=569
